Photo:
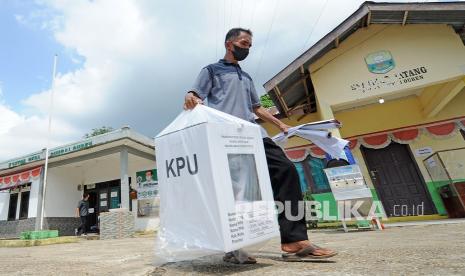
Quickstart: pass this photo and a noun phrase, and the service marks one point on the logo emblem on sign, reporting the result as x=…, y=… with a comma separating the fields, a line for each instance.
x=380, y=62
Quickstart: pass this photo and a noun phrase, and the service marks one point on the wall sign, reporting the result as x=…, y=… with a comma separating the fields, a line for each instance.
x=380, y=62
x=90, y=186
x=390, y=80
x=425, y=151
x=25, y=160
x=41, y=155
x=71, y=148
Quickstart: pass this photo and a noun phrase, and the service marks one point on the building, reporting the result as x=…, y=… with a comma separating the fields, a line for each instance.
x=394, y=75
x=106, y=166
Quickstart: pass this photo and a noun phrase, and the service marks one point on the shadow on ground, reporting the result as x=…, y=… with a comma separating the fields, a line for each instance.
x=214, y=265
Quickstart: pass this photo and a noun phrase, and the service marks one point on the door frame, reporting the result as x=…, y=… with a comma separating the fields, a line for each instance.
x=417, y=169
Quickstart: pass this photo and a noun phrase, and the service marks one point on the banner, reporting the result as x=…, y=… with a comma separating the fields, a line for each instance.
x=148, y=201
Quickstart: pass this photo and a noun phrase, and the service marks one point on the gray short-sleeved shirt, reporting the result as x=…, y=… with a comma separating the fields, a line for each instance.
x=227, y=88
x=83, y=207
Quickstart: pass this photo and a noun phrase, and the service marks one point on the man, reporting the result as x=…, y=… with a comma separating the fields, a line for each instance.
x=227, y=88
x=148, y=176
x=82, y=211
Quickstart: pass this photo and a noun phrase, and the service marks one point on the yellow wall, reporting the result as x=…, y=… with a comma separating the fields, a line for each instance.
x=379, y=117
x=394, y=114
x=438, y=95
x=391, y=115
x=397, y=114
x=436, y=47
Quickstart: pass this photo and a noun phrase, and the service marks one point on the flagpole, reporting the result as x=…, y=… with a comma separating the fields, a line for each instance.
x=48, y=143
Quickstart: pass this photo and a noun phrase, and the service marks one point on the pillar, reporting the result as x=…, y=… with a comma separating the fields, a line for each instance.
x=124, y=178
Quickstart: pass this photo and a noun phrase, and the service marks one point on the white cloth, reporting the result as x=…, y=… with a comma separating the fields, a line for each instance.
x=317, y=133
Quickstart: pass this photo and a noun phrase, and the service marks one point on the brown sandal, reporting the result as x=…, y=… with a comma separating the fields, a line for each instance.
x=306, y=254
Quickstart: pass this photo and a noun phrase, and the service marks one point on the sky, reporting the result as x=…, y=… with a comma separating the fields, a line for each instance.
x=123, y=62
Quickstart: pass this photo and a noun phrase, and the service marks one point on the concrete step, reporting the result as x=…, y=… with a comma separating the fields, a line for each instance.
x=26, y=243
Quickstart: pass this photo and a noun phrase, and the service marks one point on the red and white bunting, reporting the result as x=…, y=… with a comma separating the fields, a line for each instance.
x=8, y=181
x=354, y=143
x=297, y=155
x=405, y=136
x=378, y=141
x=317, y=152
x=440, y=130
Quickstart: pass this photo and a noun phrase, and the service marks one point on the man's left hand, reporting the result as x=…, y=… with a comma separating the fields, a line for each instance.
x=284, y=128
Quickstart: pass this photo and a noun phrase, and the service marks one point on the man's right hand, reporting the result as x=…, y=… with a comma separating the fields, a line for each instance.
x=191, y=100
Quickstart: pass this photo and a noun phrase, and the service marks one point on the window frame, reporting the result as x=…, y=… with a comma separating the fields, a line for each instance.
x=18, y=192
x=13, y=218
x=22, y=204
x=309, y=176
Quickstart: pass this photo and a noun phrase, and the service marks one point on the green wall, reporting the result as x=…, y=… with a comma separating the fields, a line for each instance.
x=433, y=187
x=328, y=197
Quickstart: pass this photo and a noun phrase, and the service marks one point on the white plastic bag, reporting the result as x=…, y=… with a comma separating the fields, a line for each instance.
x=215, y=191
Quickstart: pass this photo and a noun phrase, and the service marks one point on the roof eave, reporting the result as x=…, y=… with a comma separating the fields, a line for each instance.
x=359, y=14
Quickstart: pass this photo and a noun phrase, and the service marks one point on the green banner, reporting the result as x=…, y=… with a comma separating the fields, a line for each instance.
x=71, y=148
x=147, y=184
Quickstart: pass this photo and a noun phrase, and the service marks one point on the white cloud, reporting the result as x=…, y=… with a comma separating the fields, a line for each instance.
x=8, y=120
x=140, y=57
x=20, y=18
x=20, y=135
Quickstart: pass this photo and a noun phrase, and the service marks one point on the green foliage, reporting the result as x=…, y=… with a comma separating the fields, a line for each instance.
x=308, y=196
x=98, y=131
x=266, y=101
x=311, y=224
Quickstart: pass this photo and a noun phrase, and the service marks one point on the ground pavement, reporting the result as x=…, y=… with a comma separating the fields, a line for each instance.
x=423, y=249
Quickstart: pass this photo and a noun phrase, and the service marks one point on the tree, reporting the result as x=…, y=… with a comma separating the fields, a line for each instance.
x=98, y=131
x=266, y=101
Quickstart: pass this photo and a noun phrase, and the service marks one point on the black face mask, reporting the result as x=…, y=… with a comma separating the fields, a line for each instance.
x=240, y=53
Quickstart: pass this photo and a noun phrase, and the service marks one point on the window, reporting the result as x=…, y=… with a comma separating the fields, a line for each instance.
x=320, y=182
x=24, y=206
x=244, y=177
x=13, y=205
x=312, y=177
x=303, y=182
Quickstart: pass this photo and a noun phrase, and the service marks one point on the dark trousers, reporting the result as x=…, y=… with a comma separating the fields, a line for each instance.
x=286, y=187
x=82, y=229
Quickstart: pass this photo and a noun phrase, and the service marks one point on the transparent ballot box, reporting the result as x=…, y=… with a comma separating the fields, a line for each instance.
x=215, y=190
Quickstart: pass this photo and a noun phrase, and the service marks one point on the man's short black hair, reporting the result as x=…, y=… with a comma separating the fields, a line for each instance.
x=235, y=32
x=85, y=195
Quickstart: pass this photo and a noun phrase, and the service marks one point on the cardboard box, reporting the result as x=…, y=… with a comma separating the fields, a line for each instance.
x=215, y=190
